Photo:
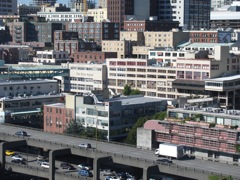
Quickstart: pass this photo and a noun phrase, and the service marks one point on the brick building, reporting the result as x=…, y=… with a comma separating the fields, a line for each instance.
x=57, y=117
x=147, y=25
x=93, y=56
x=72, y=46
x=95, y=31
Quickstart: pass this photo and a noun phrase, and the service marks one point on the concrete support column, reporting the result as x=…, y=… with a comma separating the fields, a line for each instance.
x=9, y=146
x=52, y=156
x=97, y=163
x=147, y=171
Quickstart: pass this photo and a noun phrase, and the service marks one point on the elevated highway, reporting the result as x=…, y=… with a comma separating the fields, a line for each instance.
x=117, y=153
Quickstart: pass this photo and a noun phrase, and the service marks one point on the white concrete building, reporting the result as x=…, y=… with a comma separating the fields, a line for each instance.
x=87, y=77
x=63, y=16
x=52, y=57
x=98, y=14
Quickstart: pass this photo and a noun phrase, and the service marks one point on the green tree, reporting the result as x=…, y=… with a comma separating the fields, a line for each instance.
x=127, y=90
x=215, y=177
x=74, y=129
x=160, y=115
x=135, y=92
x=132, y=135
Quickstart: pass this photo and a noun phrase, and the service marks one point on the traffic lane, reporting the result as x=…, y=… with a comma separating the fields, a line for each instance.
x=124, y=150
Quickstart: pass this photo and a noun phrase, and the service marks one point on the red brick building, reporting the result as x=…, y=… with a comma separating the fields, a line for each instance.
x=196, y=135
x=94, y=56
x=147, y=25
x=57, y=117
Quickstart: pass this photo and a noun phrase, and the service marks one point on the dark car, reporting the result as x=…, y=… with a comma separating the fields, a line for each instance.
x=66, y=165
x=17, y=161
x=164, y=161
x=21, y=133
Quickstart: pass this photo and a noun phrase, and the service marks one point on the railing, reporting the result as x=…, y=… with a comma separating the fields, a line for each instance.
x=125, y=156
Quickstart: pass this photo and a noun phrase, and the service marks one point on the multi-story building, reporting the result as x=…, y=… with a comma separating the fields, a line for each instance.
x=191, y=14
x=95, y=31
x=42, y=2
x=52, y=57
x=173, y=77
x=102, y=3
x=24, y=9
x=226, y=17
x=72, y=46
x=55, y=8
x=115, y=117
x=8, y=7
x=116, y=14
x=65, y=35
x=149, y=25
x=78, y=5
x=95, y=57
x=165, y=39
x=28, y=88
x=33, y=31
x=99, y=15
x=211, y=36
x=87, y=77
x=203, y=140
x=58, y=116
x=63, y=16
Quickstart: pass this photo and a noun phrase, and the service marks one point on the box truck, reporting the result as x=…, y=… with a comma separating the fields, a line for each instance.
x=170, y=151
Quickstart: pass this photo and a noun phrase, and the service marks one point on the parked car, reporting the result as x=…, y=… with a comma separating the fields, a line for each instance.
x=17, y=161
x=45, y=164
x=87, y=145
x=66, y=165
x=84, y=172
x=85, y=166
x=21, y=133
x=9, y=153
x=112, y=178
x=18, y=157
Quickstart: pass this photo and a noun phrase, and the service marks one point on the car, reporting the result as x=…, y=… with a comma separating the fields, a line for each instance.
x=21, y=133
x=112, y=178
x=83, y=145
x=18, y=157
x=17, y=161
x=84, y=166
x=66, y=165
x=84, y=172
x=45, y=165
x=164, y=161
x=9, y=153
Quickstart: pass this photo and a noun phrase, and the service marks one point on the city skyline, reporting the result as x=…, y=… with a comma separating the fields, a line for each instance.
x=58, y=1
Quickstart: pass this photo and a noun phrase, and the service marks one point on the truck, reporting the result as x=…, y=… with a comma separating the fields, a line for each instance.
x=170, y=150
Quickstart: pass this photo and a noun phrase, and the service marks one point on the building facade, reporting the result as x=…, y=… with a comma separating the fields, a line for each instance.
x=8, y=7
x=52, y=57
x=94, y=31
x=191, y=14
x=95, y=57
x=85, y=78
x=216, y=143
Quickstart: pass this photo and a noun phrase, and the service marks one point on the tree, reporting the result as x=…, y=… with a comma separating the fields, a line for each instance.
x=127, y=90
x=160, y=115
x=74, y=129
x=135, y=92
x=132, y=135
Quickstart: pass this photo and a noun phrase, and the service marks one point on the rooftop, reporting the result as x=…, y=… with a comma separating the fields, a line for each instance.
x=204, y=45
x=229, y=78
x=59, y=105
x=26, y=82
x=137, y=99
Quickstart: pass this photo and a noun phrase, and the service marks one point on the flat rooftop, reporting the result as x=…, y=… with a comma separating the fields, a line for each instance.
x=31, y=97
x=58, y=105
x=130, y=100
x=228, y=78
x=204, y=45
x=42, y=81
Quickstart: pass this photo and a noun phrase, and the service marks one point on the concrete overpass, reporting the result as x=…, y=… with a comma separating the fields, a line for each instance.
x=131, y=156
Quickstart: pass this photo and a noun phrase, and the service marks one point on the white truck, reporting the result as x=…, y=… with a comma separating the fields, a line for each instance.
x=170, y=151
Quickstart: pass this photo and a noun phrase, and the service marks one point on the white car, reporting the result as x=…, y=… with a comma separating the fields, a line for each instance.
x=18, y=157
x=45, y=164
